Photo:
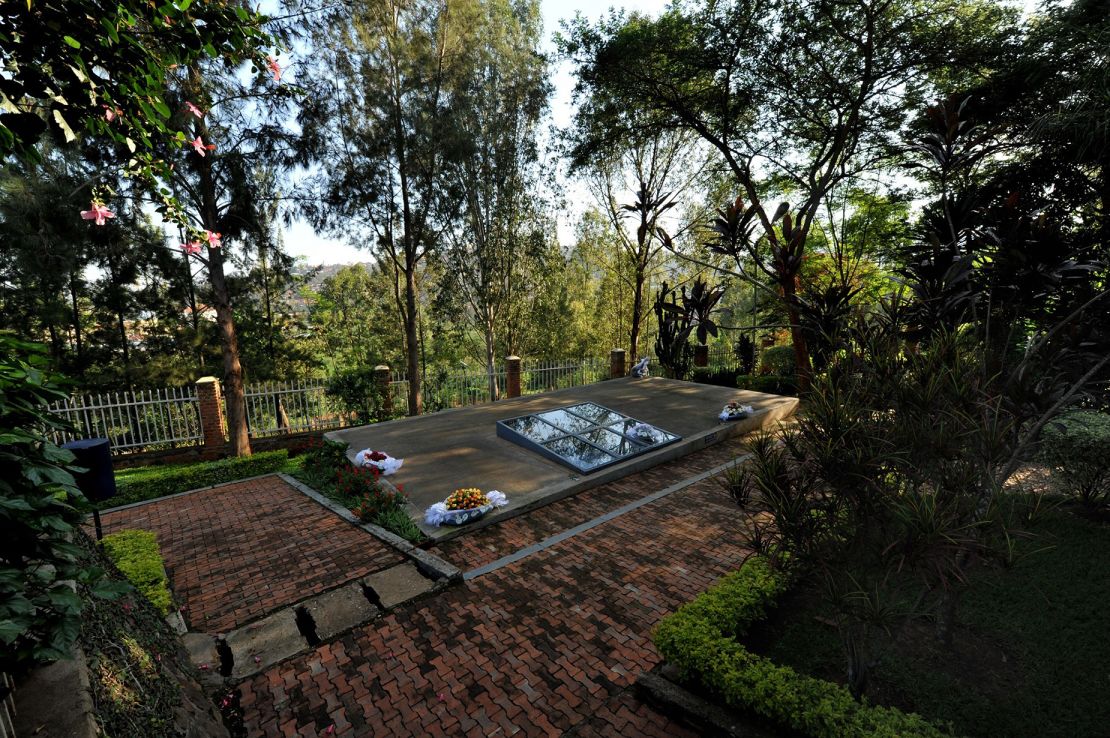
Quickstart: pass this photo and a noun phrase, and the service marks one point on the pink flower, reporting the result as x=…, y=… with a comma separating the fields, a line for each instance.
x=330, y=729
x=191, y=248
x=274, y=67
x=97, y=212
x=213, y=239
x=204, y=667
x=194, y=109
x=200, y=147
x=110, y=113
x=258, y=659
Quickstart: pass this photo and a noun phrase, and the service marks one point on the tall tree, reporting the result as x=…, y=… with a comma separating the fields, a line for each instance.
x=792, y=95
x=382, y=121
x=498, y=110
x=653, y=168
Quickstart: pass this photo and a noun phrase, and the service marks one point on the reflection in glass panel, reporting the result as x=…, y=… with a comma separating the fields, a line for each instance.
x=652, y=437
x=598, y=414
x=614, y=443
x=566, y=421
x=534, y=429
x=578, y=452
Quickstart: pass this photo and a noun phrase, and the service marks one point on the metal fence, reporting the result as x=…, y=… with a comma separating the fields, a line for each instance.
x=276, y=408
x=170, y=418
x=148, y=419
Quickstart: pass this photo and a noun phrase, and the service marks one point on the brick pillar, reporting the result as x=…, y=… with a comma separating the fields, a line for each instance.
x=617, y=368
x=512, y=376
x=211, y=414
x=382, y=378
x=701, y=355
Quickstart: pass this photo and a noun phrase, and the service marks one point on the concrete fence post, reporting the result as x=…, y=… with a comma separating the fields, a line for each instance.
x=512, y=376
x=701, y=355
x=382, y=379
x=617, y=368
x=211, y=408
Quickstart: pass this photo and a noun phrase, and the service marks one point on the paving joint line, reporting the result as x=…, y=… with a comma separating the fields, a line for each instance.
x=550, y=541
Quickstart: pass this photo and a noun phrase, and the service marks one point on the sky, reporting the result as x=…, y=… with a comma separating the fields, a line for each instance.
x=302, y=241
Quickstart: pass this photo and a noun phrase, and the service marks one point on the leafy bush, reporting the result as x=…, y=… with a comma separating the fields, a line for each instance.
x=321, y=461
x=701, y=639
x=770, y=384
x=361, y=490
x=745, y=352
x=398, y=521
x=1077, y=447
x=40, y=614
x=734, y=481
x=777, y=360
x=716, y=377
x=358, y=390
x=150, y=482
x=136, y=554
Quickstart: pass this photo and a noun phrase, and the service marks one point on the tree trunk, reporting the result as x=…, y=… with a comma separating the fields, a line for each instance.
x=233, y=371
x=237, y=431
x=491, y=360
x=637, y=308
x=801, y=349
x=412, y=341
x=77, y=340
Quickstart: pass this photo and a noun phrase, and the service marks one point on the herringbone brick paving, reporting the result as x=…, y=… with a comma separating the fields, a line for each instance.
x=241, y=550
x=488, y=544
x=549, y=645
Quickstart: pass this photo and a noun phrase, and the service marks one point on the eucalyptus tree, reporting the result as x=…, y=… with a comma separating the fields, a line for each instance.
x=380, y=123
x=496, y=174
x=793, y=96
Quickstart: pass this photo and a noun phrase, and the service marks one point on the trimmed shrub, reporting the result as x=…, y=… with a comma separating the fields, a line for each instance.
x=322, y=460
x=701, y=640
x=770, y=384
x=136, y=554
x=150, y=482
x=1077, y=447
x=777, y=360
x=716, y=377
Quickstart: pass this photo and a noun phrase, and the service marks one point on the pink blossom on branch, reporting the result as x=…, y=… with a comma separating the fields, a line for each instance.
x=97, y=212
x=194, y=109
x=213, y=239
x=274, y=67
x=200, y=147
x=192, y=248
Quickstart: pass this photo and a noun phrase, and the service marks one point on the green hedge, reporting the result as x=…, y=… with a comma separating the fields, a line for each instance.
x=149, y=482
x=1077, y=447
x=771, y=384
x=135, y=553
x=777, y=360
x=701, y=639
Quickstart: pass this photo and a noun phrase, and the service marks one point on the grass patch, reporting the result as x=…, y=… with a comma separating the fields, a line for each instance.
x=1030, y=650
x=704, y=639
x=151, y=482
x=135, y=553
x=135, y=661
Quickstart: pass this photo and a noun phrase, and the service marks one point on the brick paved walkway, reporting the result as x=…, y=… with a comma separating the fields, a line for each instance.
x=241, y=550
x=488, y=544
x=549, y=645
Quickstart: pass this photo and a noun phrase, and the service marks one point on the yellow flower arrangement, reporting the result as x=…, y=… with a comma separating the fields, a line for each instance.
x=466, y=498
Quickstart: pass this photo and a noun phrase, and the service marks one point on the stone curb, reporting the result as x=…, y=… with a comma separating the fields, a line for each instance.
x=432, y=566
x=56, y=700
x=557, y=538
x=695, y=711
